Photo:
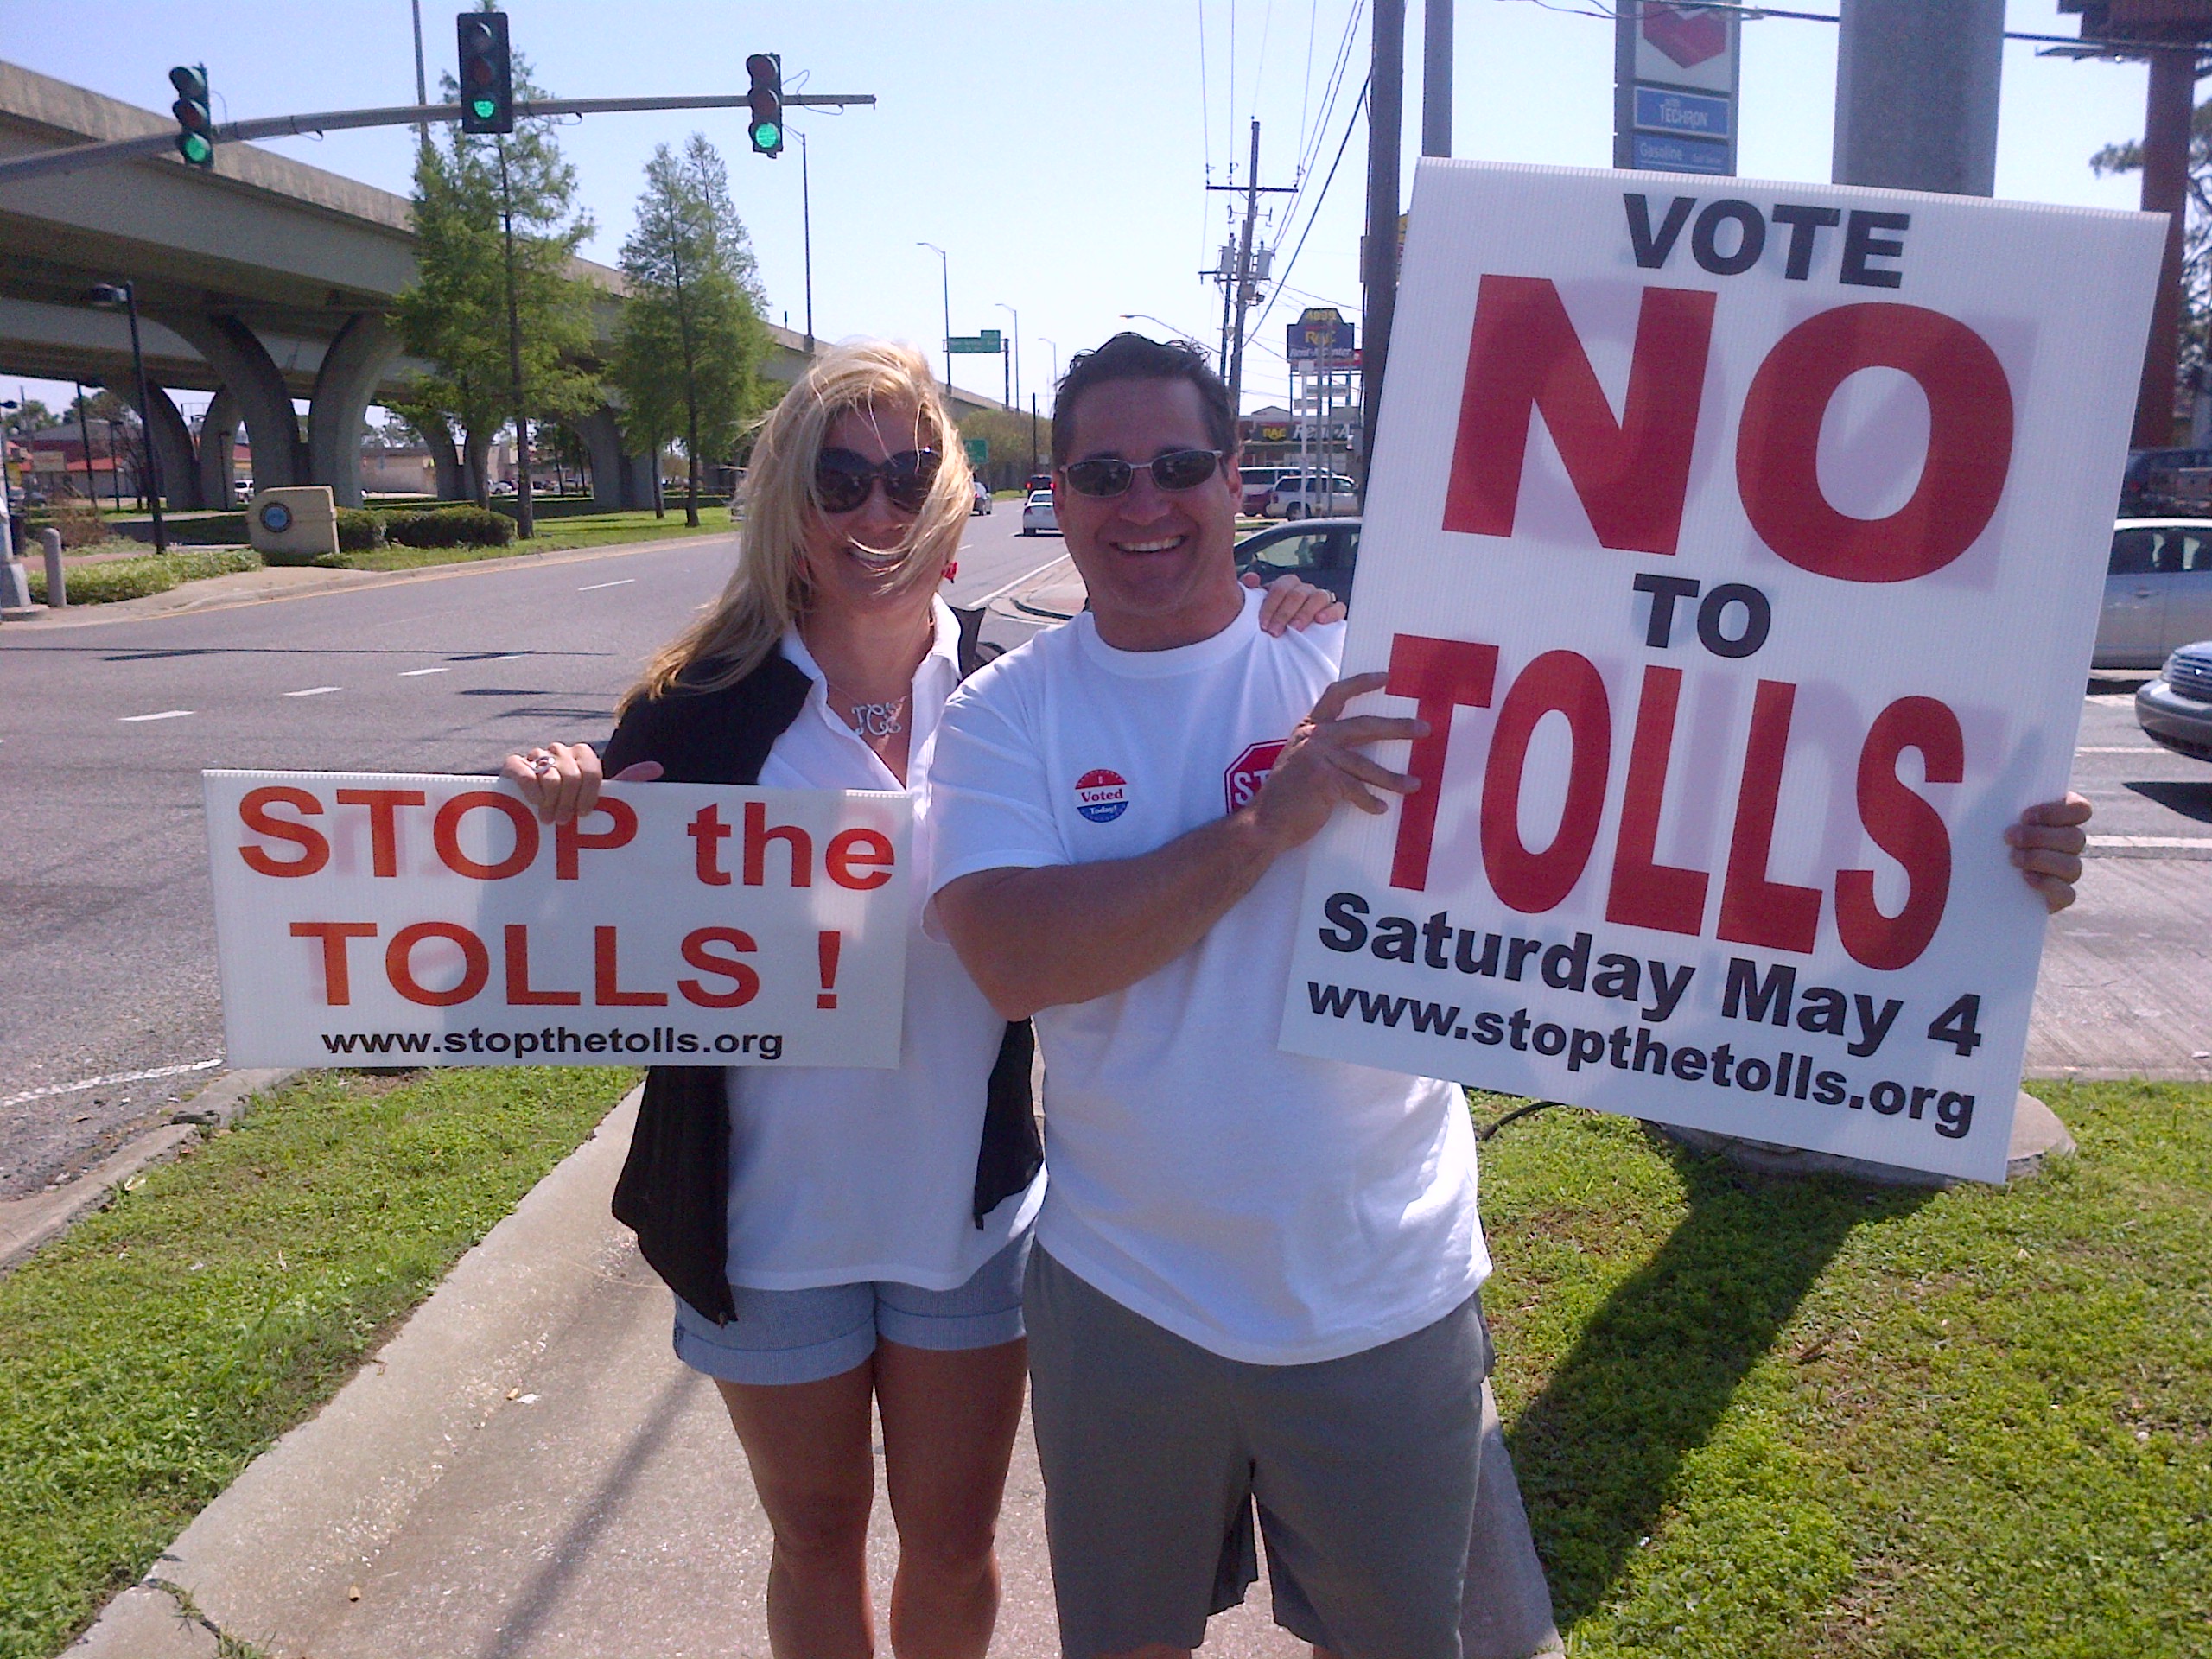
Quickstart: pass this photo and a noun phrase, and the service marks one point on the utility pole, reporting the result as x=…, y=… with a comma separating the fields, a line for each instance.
x=1238, y=303
x=806, y=238
x=525, y=520
x=1436, y=80
x=944, y=273
x=1379, y=269
x=422, y=87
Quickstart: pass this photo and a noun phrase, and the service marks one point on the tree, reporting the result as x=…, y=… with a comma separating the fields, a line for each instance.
x=688, y=353
x=32, y=416
x=1007, y=433
x=2194, y=351
x=456, y=314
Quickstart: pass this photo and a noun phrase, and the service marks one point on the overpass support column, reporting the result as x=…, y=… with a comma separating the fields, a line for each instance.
x=239, y=357
x=343, y=388
x=219, y=434
x=609, y=474
x=172, y=445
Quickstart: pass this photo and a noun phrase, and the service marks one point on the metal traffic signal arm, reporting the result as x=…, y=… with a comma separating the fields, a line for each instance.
x=78, y=157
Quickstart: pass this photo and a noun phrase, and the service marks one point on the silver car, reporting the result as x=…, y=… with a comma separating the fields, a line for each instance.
x=2157, y=591
x=2176, y=708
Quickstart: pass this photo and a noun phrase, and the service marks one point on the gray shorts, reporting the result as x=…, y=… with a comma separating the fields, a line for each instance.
x=1155, y=1453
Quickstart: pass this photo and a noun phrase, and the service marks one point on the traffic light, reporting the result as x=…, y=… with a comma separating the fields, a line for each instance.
x=487, y=87
x=195, y=123
x=766, y=127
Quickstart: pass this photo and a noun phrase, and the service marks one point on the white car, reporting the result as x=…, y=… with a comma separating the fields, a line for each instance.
x=1037, y=515
x=2157, y=591
x=1312, y=495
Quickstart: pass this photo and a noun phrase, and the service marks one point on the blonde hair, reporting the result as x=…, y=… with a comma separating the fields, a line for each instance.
x=768, y=590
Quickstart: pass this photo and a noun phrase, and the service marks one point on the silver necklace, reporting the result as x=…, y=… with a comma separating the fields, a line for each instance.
x=876, y=719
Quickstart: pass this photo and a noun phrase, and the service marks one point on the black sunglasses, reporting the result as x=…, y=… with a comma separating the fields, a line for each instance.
x=1105, y=475
x=844, y=478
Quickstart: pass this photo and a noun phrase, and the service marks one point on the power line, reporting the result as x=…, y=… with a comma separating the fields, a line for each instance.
x=1291, y=263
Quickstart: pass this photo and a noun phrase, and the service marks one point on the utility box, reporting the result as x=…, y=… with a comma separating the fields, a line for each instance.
x=294, y=525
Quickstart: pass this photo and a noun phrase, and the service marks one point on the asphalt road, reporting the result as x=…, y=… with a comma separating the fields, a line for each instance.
x=106, y=943
x=106, y=950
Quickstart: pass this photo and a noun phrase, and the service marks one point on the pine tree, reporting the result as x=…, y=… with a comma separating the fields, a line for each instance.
x=688, y=353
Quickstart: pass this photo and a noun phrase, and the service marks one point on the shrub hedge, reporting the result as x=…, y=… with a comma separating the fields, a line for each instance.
x=457, y=526
x=120, y=579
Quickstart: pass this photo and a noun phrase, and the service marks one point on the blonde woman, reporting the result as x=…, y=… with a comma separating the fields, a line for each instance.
x=841, y=1237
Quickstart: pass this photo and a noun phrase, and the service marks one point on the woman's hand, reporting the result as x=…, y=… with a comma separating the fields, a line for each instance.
x=2047, y=845
x=562, y=780
x=1292, y=603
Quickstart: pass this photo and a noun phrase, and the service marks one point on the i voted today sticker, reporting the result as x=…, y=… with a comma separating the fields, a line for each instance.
x=1101, y=796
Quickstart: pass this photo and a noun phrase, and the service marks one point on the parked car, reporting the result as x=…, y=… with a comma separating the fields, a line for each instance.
x=2157, y=591
x=502, y=486
x=2161, y=480
x=1311, y=495
x=982, y=501
x=1259, y=484
x=1038, y=517
x=1320, y=550
x=2176, y=708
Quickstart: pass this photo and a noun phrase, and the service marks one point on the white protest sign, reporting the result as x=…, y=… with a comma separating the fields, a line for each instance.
x=1743, y=545
x=434, y=921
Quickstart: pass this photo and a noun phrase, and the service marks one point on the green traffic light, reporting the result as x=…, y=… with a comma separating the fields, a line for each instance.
x=484, y=109
x=767, y=134
x=195, y=148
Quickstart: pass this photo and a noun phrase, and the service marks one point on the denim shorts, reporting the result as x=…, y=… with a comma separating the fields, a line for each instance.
x=804, y=1336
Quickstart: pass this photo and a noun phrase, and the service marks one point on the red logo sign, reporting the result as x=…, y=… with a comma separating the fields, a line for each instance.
x=1249, y=771
x=1689, y=36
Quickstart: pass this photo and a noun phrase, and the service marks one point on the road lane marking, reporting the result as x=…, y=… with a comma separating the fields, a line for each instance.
x=2124, y=749
x=1000, y=592
x=166, y=714
x=104, y=1083
x=2112, y=699
x=593, y=587
x=416, y=673
x=2189, y=842
x=315, y=691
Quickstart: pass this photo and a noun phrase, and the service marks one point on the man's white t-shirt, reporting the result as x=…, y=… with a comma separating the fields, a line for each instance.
x=841, y=1175
x=1267, y=1206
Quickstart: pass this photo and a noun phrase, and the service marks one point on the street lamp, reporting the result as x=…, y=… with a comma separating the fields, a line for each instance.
x=1014, y=400
x=945, y=270
x=107, y=296
x=1055, y=345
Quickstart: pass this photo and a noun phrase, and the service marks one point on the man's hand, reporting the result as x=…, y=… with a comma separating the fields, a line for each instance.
x=1321, y=766
x=2047, y=845
x=1293, y=603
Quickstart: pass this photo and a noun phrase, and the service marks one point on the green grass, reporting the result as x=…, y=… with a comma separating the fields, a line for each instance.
x=149, y=1354
x=1778, y=1417
x=582, y=530
x=135, y=578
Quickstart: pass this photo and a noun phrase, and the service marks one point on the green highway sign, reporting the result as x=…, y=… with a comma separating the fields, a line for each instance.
x=979, y=450
x=985, y=343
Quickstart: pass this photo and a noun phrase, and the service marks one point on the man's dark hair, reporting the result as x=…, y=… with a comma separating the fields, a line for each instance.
x=1130, y=356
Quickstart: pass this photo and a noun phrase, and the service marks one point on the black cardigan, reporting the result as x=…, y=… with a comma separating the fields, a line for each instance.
x=674, y=1188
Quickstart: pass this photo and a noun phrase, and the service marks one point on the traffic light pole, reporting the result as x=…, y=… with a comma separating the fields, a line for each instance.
x=525, y=520
x=78, y=157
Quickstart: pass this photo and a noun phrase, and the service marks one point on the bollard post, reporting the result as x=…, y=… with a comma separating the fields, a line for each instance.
x=57, y=580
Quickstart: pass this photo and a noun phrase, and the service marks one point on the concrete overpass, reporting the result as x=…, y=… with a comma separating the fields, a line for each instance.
x=263, y=282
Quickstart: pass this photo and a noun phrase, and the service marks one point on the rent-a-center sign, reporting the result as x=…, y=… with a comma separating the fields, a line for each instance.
x=434, y=921
x=1742, y=545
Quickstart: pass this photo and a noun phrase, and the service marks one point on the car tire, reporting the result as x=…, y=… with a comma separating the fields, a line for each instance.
x=1295, y=510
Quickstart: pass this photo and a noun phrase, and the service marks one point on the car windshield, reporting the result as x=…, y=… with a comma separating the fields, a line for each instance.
x=1041, y=498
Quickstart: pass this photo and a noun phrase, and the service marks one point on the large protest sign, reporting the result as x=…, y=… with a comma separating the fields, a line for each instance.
x=434, y=921
x=1743, y=545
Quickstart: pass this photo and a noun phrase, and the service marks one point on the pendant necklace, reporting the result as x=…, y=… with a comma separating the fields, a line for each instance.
x=877, y=719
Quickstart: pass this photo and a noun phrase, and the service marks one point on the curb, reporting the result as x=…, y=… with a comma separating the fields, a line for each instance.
x=27, y=1223
x=183, y=602
x=279, y=1548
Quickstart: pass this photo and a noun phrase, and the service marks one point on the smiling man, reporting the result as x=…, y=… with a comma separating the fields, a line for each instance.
x=1256, y=1272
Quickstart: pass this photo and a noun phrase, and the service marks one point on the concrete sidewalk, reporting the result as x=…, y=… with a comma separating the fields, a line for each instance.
x=526, y=1472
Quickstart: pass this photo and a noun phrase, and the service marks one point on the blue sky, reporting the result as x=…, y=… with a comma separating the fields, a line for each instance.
x=1057, y=150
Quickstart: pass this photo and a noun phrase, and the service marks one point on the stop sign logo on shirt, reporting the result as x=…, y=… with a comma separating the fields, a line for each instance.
x=1249, y=771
